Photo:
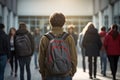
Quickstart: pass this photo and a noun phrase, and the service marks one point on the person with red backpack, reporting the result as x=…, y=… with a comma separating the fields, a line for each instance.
x=58, y=57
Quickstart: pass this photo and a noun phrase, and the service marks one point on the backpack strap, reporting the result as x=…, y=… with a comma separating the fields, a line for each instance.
x=49, y=35
x=64, y=35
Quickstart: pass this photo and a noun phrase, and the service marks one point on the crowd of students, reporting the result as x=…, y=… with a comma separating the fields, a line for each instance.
x=104, y=44
x=19, y=46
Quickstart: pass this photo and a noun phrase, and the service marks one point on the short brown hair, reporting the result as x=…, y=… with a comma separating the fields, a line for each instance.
x=57, y=20
x=22, y=25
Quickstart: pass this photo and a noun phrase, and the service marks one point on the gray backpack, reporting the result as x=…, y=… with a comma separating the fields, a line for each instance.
x=23, y=46
x=58, y=60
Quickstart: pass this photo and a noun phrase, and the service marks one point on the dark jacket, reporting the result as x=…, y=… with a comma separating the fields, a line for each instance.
x=25, y=32
x=92, y=42
x=75, y=37
x=4, y=43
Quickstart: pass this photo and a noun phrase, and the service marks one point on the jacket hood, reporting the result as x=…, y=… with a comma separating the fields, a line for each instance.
x=92, y=31
x=21, y=31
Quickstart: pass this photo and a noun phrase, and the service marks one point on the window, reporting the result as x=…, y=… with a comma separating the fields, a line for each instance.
x=106, y=21
x=117, y=19
x=0, y=14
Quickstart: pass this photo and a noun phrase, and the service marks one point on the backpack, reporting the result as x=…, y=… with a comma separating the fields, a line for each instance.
x=58, y=59
x=23, y=45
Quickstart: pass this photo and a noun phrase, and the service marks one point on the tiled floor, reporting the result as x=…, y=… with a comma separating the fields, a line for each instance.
x=80, y=75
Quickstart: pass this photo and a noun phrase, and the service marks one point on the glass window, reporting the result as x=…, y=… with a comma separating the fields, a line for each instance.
x=0, y=14
x=106, y=21
x=119, y=20
x=32, y=22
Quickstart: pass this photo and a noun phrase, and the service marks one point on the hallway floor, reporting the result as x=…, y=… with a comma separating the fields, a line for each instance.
x=80, y=75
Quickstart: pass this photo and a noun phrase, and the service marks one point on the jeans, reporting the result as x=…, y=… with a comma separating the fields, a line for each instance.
x=92, y=63
x=3, y=61
x=113, y=65
x=22, y=62
x=35, y=58
x=83, y=59
x=103, y=58
x=59, y=78
x=13, y=56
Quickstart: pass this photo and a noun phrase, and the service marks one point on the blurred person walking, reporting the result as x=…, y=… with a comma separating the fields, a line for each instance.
x=70, y=29
x=13, y=57
x=37, y=37
x=92, y=45
x=24, y=47
x=4, y=50
x=80, y=40
x=112, y=46
x=103, y=54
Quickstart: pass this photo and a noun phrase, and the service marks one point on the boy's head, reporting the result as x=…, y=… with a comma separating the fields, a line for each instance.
x=57, y=20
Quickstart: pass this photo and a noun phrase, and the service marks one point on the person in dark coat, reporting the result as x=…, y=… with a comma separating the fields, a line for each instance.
x=72, y=33
x=112, y=47
x=13, y=57
x=92, y=45
x=4, y=50
x=24, y=57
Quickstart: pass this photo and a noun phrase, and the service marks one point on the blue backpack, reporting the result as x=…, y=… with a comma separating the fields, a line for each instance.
x=58, y=60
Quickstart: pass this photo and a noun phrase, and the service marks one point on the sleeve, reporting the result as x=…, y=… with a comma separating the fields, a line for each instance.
x=99, y=42
x=42, y=52
x=76, y=38
x=32, y=41
x=73, y=54
x=80, y=40
x=7, y=44
x=84, y=41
